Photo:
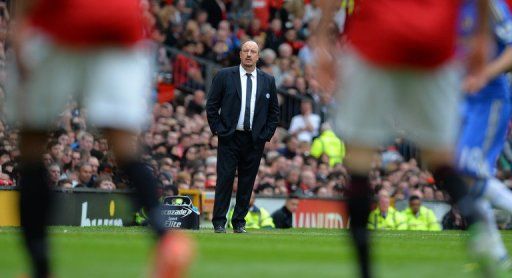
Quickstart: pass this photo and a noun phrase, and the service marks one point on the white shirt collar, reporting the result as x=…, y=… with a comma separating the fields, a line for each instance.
x=243, y=72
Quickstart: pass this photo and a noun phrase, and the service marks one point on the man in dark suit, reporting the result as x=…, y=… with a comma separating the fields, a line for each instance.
x=243, y=111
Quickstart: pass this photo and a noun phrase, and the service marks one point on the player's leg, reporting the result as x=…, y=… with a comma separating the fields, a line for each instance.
x=493, y=126
x=452, y=181
x=498, y=194
x=363, y=87
x=36, y=102
x=175, y=250
x=434, y=128
x=482, y=139
x=359, y=197
x=34, y=200
x=491, y=237
x=125, y=148
x=431, y=101
x=116, y=95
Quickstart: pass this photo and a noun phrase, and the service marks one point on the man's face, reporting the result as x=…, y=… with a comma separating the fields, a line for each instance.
x=199, y=96
x=305, y=107
x=93, y=161
x=148, y=138
x=103, y=145
x=383, y=202
x=292, y=205
x=249, y=54
x=56, y=151
x=275, y=25
x=415, y=205
x=5, y=158
x=66, y=156
x=85, y=174
x=172, y=139
x=308, y=179
x=107, y=185
x=87, y=143
x=199, y=183
x=47, y=159
x=64, y=140
x=293, y=177
x=293, y=144
x=54, y=173
x=75, y=158
x=428, y=193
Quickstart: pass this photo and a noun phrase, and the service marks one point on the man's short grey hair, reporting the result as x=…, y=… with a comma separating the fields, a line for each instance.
x=268, y=53
x=272, y=155
x=212, y=160
x=284, y=46
x=83, y=164
x=243, y=43
x=53, y=165
x=84, y=134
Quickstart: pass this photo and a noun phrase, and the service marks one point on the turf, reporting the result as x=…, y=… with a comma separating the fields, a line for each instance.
x=125, y=252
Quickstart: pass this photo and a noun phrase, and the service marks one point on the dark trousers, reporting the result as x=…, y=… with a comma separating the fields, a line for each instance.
x=237, y=152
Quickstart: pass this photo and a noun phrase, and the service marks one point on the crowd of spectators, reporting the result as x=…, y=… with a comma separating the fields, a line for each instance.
x=177, y=143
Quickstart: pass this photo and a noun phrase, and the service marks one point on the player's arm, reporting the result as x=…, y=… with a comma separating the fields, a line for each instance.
x=19, y=35
x=502, y=17
x=324, y=47
x=500, y=65
x=480, y=48
x=503, y=32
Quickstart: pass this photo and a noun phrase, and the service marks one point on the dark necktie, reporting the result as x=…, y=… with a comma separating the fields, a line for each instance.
x=247, y=117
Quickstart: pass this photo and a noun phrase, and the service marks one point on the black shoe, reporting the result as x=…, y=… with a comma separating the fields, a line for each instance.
x=239, y=230
x=219, y=230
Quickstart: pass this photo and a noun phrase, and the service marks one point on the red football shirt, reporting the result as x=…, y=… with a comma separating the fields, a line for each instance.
x=89, y=22
x=261, y=10
x=405, y=33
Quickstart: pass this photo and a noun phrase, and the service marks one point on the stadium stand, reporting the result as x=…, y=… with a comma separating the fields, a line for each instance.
x=191, y=45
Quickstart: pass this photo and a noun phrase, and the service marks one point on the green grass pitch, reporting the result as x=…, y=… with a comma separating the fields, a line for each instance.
x=125, y=252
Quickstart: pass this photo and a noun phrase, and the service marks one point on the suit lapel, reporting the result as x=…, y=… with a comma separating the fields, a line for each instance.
x=238, y=82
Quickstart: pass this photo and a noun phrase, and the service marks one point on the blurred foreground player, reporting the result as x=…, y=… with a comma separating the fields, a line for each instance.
x=92, y=50
x=486, y=116
x=397, y=74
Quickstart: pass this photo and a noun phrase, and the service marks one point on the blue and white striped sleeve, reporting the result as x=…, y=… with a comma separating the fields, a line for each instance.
x=502, y=21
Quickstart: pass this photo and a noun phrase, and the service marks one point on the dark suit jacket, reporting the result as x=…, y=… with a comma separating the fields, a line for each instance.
x=223, y=106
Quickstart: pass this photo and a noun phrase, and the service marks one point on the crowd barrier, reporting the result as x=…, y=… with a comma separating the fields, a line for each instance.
x=91, y=207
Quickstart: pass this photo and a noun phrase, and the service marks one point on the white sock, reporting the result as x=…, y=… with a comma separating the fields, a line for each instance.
x=493, y=244
x=498, y=194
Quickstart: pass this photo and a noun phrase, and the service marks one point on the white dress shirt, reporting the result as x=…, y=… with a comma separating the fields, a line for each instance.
x=243, y=79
